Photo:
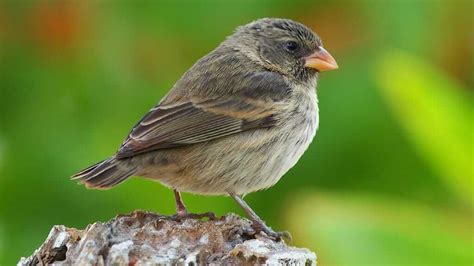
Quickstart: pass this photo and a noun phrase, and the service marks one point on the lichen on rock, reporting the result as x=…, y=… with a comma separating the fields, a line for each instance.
x=146, y=238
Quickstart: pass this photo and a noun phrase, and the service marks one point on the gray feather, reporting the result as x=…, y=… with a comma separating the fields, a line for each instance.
x=105, y=174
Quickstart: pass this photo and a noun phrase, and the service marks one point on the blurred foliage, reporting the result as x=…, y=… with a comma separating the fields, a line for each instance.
x=393, y=152
x=435, y=113
x=366, y=230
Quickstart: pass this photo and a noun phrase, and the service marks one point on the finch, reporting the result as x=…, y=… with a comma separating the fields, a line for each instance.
x=234, y=123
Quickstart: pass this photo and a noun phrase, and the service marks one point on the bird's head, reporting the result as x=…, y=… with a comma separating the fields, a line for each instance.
x=284, y=46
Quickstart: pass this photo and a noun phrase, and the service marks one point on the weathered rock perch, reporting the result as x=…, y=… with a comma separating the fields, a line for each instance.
x=143, y=238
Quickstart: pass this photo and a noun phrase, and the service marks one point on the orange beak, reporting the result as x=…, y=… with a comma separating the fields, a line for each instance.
x=321, y=60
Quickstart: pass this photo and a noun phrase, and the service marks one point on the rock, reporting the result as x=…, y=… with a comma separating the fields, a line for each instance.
x=143, y=238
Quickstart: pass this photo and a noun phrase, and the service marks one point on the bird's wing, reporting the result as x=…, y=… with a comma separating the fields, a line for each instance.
x=167, y=126
x=255, y=101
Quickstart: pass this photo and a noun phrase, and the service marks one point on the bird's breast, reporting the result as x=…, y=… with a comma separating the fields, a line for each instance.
x=298, y=129
x=244, y=162
x=274, y=151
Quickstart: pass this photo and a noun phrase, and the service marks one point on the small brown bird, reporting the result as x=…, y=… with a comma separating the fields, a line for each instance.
x=234, y=123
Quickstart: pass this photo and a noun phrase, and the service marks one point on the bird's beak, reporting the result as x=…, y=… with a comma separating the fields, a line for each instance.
x=321, y=60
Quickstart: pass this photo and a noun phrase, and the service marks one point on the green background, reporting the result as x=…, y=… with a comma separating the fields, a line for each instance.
x=387, y=181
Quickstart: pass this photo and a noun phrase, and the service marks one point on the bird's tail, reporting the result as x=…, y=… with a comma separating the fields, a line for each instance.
x=105, y=174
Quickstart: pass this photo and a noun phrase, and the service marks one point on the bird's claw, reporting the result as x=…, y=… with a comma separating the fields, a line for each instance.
x=184, y=216
x=277, y=236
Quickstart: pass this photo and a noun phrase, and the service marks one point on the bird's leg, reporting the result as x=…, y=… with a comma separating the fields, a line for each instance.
x=180, y=207
x=258, y=224
x=182, y=213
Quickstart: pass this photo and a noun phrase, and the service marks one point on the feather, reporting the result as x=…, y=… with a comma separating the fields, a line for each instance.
x=189, y=120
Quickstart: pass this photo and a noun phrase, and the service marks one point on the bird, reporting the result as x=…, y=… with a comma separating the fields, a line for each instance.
x=233, y=124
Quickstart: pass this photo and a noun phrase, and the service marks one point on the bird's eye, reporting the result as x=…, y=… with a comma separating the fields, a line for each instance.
x=291, y=46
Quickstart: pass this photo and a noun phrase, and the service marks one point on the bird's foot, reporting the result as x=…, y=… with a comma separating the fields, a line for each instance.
x=277, y=236
x=179, y=216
